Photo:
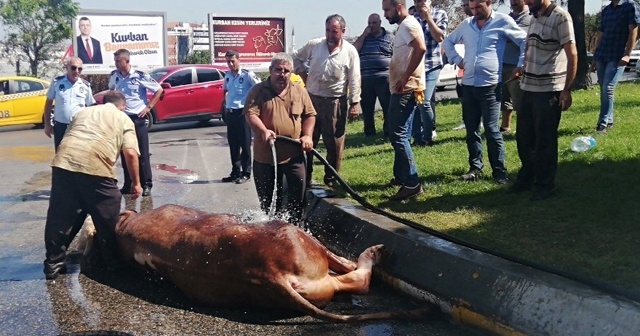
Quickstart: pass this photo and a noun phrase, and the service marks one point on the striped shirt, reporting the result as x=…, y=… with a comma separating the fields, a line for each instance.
x=433, y=55
x=545, y=67
x=614, y=26
x=375, y=55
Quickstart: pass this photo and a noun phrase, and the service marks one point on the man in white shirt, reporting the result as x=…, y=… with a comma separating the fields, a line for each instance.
x=407, y=84
x=334, y=71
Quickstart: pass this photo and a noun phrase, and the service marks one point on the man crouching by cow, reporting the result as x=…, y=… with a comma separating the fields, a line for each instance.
x=84, y=181
x=221, y=260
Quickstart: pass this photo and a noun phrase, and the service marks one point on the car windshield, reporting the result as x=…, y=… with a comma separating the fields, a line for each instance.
x=158, y=73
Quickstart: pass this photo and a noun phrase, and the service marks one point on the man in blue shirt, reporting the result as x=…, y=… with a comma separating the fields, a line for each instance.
x=71, y=94
x=616, y=38
x=237, y=83
x=434, y=24
x=485, y=35
x=135, y=84
x=374, y=46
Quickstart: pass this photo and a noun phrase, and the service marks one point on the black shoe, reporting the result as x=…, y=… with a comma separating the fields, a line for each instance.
x=501, y=180
x=394, y=183
x=230, y=178
x=51, y=272
x=242, y=179
x=423, y=143
x=126, y=190
x=146, y=191
x=329, y=182
x=609, y=125
x=518, y=187
x=407, y=192
x=472, y=175
x=601, y=129
x=542, y=194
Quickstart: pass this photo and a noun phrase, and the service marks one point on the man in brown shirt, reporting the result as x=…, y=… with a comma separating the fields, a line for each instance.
x=279, y=107
x=84, y=181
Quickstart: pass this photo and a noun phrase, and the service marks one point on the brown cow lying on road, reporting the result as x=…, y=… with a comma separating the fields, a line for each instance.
x=219, y=260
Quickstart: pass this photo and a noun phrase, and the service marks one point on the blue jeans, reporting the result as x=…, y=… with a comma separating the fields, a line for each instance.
x=608, y=76
x=400, y=115
x=423, y=120
x=483, y=103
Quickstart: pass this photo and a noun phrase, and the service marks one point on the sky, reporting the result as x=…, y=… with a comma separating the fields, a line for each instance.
x=307, y=17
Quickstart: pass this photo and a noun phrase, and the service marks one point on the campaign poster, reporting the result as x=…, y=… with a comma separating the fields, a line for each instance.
x=256, y=39
x=98, y=34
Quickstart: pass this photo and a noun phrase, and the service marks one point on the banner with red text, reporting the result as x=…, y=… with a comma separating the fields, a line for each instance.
x=98, y=34
x=256, y=39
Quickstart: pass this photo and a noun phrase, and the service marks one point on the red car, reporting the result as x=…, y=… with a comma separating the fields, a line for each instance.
x=191, y=92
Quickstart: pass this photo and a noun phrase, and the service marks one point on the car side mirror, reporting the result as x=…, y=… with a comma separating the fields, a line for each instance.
x=165, y=85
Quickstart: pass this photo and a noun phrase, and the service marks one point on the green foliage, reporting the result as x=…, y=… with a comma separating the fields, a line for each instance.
x=198, y=57
x=35, y=28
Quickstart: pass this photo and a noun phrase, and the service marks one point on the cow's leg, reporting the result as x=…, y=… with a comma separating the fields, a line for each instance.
x=339, y=264
x=357, y=281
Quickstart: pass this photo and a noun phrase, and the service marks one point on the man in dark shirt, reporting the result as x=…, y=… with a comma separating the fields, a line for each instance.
x=374, y=46
x=616, y=37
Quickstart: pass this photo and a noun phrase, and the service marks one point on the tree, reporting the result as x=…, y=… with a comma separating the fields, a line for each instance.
x=583, y=77
x=591, y=30
x=198, y=57
x=34, y=30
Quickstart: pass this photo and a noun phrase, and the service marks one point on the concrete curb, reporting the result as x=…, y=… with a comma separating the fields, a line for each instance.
x=474, y=288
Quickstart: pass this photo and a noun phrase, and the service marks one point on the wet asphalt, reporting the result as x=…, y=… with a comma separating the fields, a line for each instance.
x=188, y=162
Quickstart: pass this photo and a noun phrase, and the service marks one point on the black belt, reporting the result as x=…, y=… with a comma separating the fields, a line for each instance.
x=328, y=98
x=235, y=110
x=57, y=122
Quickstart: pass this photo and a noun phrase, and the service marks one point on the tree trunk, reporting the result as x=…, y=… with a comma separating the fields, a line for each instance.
x=583, y=78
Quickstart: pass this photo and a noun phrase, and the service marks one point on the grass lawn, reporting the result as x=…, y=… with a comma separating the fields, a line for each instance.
x=590, y=227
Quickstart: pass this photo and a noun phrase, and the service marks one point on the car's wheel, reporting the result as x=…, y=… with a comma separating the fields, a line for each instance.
x=39, y=125
x=150, y=120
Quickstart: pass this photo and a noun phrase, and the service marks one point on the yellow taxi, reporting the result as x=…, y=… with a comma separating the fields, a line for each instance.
x=22, y=100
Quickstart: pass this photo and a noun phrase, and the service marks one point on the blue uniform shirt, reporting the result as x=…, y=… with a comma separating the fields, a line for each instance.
x=69, y=97
x=237, y=87
x=614, y=27
x=134, y=86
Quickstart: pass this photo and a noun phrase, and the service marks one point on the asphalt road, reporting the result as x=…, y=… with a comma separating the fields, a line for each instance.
x=188, y=163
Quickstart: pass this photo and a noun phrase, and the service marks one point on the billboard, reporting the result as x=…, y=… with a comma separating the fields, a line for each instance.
x=97, y=34
x=256, y=39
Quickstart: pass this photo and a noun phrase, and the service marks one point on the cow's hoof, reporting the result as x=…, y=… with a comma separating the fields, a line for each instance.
x=377, y=253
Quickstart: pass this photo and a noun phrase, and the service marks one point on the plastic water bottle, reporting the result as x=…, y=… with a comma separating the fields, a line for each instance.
x=583, y=144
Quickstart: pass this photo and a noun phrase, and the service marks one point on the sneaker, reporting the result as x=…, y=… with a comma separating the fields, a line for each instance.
x=230, y=178
x=472, y=175
x=434, y=135
x=609, y=125
x=542, y=194
x=518, y=187
x=242, y=179
x=329, y=182
x=423, y=143
x=407, y=192
x=459, y=127
x=601, y=129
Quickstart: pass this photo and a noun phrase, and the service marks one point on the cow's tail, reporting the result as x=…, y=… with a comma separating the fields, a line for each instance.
x=303, y=305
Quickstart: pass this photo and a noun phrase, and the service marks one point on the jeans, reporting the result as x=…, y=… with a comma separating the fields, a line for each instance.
x=483, y=103
x=401, y=109
x=608, y=76
x=537, y=138
x=424, y=121
x=372, y=88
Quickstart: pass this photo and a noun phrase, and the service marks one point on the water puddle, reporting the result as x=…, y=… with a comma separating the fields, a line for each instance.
x=182, y=175
x=33, y=154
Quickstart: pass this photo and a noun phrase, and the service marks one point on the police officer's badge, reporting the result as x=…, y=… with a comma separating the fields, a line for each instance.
x=117, y=79
x=61, y=87
x=81, y=89
x=241, y=80
x=134, y=81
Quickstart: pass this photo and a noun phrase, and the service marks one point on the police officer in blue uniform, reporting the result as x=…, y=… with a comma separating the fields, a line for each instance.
x=134, y=84
x=237, y=83
x=71, y=94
